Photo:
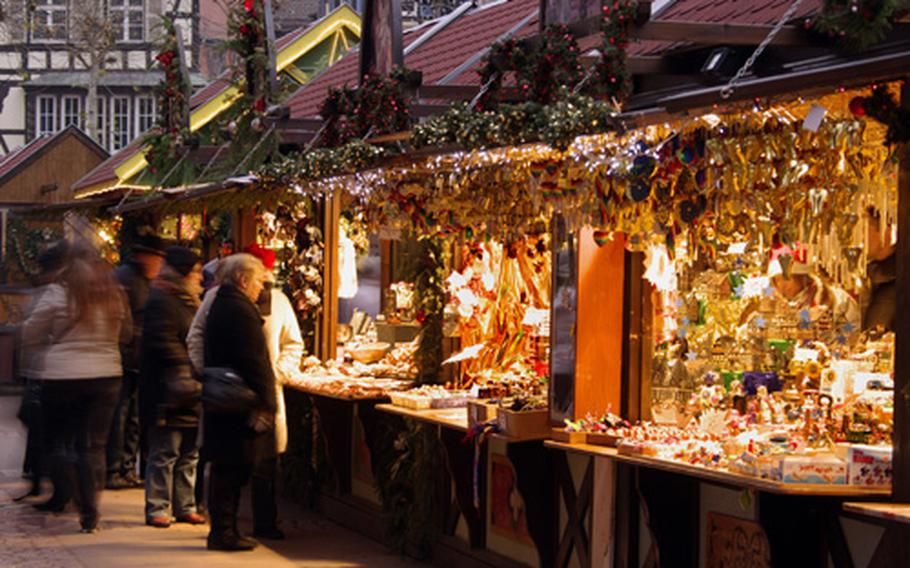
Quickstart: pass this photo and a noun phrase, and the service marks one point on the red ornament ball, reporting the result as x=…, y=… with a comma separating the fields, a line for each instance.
x=858, y=106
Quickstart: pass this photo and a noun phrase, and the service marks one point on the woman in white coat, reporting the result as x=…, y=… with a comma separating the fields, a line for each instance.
x=285, y=343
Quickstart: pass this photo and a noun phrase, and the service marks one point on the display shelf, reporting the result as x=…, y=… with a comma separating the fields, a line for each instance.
x=894, y=512
x=309, y=388
x=454, y=418
x=721, y=476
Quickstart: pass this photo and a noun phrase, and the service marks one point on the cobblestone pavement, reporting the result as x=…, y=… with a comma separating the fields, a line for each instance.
x=30, y=539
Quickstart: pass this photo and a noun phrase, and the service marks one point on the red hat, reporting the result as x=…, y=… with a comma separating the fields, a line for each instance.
x=266, y=256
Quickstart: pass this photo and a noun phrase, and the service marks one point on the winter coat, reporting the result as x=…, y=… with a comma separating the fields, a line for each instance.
x=168, y=314
x=136, y=286
x=31, y=356
x=89, y=349
x=282, y=333
x=234, y=339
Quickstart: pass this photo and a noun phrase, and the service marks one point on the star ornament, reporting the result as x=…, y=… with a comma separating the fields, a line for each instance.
x=691, y=355
x=738, y=291
x=760, y=322
x=848, y=328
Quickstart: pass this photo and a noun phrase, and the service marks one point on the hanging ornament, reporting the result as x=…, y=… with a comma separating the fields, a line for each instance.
x=786, y=264
x=643, y=166
x=686, y=155
x=858, y=106
x=689, y=211
x=639, y=190
x=602, y=237
x=852, y=254
x=817, y=197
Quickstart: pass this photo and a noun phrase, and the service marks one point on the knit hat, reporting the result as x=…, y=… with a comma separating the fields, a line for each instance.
x=266, y=256
x=181, y=259
x=52, y=259
x=151, y=244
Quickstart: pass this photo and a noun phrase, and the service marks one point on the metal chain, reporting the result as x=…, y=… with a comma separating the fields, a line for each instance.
x=727, y=91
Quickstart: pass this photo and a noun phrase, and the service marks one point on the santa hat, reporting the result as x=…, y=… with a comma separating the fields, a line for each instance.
x=266, y=256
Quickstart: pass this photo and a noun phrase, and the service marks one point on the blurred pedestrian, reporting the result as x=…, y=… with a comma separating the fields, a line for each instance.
x=170, y=391
x=135, y=275
x=83, y=320
x=285, y=343
x=31, y=357
x=234, y=442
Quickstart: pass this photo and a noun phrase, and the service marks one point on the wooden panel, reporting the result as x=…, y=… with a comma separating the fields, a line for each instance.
x=598, y=363
x=50, y=176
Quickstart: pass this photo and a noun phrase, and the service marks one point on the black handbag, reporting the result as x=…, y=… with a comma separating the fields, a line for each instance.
x=181, y=388
x=225, y=392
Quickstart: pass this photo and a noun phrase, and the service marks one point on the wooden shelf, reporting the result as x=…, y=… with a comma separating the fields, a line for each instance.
x=722, y=476
x=454, y=418
x=320, y=392
x=895, y=512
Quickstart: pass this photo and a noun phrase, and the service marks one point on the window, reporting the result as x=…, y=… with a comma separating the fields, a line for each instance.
x=128, y=19
x=145, y=114
x=49, y=20
x=120, y=122
x=72, y=111
x=46, y=116
x=101, y=121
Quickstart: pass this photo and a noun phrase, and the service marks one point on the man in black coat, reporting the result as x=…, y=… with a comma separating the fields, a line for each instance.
x=169, y=392
x=136, y=275
x=234, y=442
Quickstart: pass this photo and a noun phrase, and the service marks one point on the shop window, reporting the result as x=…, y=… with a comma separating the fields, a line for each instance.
x=101, y=121
x=120, y=122
x=49, y=20
x=46, y=116
x=145, y=114
x=72, y=111
x=128, y=19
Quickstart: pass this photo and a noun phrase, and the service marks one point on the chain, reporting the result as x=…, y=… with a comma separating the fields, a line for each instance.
x=727, y=91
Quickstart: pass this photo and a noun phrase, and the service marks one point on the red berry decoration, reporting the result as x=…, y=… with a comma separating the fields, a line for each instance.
x=858, y=106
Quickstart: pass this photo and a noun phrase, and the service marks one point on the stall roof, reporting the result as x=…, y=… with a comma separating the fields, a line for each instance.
x=214, y=98
x=12, y=163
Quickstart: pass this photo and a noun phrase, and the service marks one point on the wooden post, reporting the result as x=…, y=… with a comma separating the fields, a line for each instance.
x=328, y=323
x=901, y=438
x=381, y=47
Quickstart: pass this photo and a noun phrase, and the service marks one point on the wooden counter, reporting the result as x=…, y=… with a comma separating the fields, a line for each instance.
x=722, y=476
x=453, y=418
x=894, y=512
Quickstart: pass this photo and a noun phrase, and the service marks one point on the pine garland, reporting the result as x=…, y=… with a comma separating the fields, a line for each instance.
x=615, y=80
x=377, y=107
x=427, y=271
x=248, y=40
x=883, y=107
x=858, y=24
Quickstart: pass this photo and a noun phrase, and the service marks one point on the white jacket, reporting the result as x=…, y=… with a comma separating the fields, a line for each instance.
x=282, y=333
x=89, y=349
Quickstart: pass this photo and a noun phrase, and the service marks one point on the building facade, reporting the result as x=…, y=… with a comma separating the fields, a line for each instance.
x=46, y=61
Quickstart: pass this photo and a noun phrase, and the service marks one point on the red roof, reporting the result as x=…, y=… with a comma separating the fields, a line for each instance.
x=21, y=156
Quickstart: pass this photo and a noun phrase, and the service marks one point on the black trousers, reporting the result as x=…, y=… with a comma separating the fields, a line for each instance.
x=226, y=480
x=123, y=442
x=77, y=419
x=265, y=508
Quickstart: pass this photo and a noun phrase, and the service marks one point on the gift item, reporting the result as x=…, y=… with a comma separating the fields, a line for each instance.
x=822, y=470
x=869, y=466
x=752, y=380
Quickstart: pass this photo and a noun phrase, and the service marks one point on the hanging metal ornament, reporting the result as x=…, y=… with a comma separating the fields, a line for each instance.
x=817, y=198
x=786, y=264
x=852, y=255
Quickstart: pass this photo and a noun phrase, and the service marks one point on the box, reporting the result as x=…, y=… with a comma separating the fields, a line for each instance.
x=603, y=439
x=524, y=424
x=869, y=466
x=822, y=470
x=562, y=435
x=479, y=412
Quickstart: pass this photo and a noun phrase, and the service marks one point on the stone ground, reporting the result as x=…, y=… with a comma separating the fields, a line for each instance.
x=30, y=539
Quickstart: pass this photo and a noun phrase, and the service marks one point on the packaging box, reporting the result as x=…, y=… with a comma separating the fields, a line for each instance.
x=603, y=439
x=869, y=466
x=524, y=424
x=562, y=435
x=479, y=412
x=824, y=470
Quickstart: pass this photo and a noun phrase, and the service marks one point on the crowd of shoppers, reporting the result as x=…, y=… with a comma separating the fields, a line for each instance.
x=123, y=368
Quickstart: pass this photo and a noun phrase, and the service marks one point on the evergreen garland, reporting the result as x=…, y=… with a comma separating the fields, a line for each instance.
x=883, y=107
x=377, y=107
x=167, y=140
x=615, y=80
x=858, y=24
x=427, y=271
x=248, y=40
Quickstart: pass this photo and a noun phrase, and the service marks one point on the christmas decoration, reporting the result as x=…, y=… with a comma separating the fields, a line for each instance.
x=883, y=107
x=248, y=40
x=378, y=106
x=858, y=24
x=614, y=80
x=168, y=138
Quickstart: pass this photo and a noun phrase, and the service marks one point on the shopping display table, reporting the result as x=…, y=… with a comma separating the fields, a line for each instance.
x=891, y=512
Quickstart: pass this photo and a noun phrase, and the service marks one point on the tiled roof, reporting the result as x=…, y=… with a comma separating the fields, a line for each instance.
x=452, y=46
x=10, y=163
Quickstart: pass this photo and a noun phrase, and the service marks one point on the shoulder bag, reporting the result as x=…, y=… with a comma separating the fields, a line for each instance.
x=225, y=392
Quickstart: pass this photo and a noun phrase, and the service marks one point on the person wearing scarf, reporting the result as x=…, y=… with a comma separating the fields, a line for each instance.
x=170, y=391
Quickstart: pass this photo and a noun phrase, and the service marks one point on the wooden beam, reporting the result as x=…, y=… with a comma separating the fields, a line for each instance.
x=711, y=33
x=901, y=436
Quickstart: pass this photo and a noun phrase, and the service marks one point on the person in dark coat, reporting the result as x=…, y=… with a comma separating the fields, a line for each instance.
x=235, y=442
x=169, y=391
x=882, y=274
x=135, y=276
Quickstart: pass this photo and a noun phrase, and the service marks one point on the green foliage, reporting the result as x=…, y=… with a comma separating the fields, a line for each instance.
x=25, y=244
x=883, y=107
x=858, y=24
x=426, y=269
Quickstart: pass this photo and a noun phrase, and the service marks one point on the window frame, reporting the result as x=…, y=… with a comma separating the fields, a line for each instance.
x=102, y=136
x=48, y=8
x=114, y=119
x=138, y=115
x=39, y=112
x=122, y=13
x=64, y=115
